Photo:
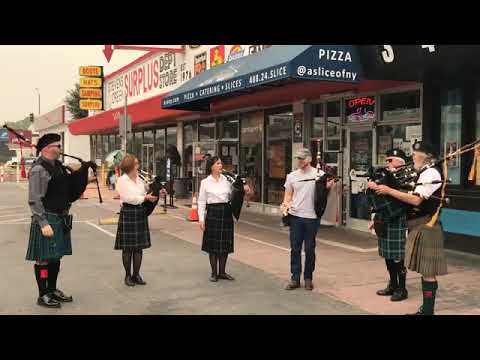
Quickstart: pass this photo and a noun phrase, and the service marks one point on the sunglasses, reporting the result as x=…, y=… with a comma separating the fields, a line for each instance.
x=389, y=160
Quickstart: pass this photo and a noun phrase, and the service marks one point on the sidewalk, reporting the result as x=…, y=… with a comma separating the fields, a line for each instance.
x=348, y=267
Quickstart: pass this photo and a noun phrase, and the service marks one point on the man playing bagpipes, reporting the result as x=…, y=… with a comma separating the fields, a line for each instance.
x=52, y=189
x=389, y=220
x=424, y=247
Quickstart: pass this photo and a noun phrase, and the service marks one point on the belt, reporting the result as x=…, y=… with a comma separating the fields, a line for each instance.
x=130, y=205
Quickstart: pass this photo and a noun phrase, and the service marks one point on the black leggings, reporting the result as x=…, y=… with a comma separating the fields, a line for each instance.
x=127, y=257
x=222, y=263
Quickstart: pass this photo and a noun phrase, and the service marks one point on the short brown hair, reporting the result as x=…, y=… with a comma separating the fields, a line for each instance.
x=128, y=163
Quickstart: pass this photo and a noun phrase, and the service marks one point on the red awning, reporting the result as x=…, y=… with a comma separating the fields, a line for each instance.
x=144, y=111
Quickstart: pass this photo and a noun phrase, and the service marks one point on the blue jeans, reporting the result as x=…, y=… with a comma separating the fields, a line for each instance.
x=302, y=229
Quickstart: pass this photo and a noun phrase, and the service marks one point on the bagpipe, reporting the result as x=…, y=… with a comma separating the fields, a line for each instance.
x=155, y=185
x=90, y=164
x=238, y=192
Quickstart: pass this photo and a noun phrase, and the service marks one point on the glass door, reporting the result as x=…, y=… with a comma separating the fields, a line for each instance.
x=360, y=160
x=203, y=150
x=147, y=158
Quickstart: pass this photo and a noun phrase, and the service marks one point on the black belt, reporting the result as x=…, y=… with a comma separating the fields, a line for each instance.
x=130, y=205
x=217, y=205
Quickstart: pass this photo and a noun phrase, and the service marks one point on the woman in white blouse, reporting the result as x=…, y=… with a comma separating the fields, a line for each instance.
x=215, y=218
x=133, y=234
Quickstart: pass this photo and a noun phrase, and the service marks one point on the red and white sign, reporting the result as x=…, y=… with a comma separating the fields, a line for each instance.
x=52, y=118
x=14, y=142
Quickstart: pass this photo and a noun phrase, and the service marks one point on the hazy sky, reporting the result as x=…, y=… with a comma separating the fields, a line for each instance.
x=53, y=69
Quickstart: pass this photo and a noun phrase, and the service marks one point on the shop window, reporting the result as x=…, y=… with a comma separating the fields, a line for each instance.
x=105, y=144
x=137, y=145
x=279, y=155
x=451, y=130
x=173, y=151
x=318, y=121
x=118, y=142
x=251, y=152
x=396, y=136
x=333, y=126
x=228, y=127
x=148, y=137
x=189, y=136
x=401, y=106
x=112, y=143
x=159, y=148
x=99, y=147
x=206, y=131
x=130, y=140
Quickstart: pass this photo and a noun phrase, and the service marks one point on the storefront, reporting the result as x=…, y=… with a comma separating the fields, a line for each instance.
x=350, y=102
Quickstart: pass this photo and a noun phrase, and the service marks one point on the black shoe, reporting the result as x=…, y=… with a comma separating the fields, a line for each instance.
x=129, y=281
x=138, y=280
x=399, y=295
x=419, y=312
x=49, y=302
x=388, y=291
x=60, y=296
x=308, y=285
x=225, y=277
x=292, y=285
x=213, y=278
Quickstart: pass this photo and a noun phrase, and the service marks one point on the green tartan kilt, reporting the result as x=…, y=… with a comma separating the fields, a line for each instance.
x=424, y=249
x=41, y=248
x=391, y=244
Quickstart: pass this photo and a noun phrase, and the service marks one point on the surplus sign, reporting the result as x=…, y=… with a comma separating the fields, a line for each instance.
x=91, y=87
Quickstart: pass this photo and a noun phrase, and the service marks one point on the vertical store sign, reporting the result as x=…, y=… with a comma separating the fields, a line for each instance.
x=91, y=87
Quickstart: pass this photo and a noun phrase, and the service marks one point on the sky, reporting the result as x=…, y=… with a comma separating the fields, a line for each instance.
x=53, y=69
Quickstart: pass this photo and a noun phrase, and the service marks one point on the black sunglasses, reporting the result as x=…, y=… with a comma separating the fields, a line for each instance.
x=388, y=160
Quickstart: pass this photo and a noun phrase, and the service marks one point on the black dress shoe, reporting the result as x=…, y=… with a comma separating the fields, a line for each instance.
x=47, y=301
x=399, y=295
x=308, y=285
x=419, y=312
x=292, y=285
x=60, y=296
x=138, y=280
x=213, y=278
x=129, y=281
x=226, y=277
x=388, y=291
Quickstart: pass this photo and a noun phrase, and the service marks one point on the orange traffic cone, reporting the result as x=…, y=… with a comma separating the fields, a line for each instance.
x=193, y=216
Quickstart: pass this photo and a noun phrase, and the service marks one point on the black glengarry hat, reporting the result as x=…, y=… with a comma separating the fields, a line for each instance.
x=46, y=140
x=399, y=153
x=422, y=146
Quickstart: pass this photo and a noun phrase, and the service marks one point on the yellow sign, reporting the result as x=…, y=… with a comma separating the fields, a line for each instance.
x=91, y=104
x=90, y=82
x=94, y=71
x=87, y=93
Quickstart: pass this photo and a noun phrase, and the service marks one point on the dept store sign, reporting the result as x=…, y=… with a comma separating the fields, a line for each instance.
x=156, y=75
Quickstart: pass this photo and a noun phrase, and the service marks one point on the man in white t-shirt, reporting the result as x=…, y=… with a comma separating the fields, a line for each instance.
x=300, y=200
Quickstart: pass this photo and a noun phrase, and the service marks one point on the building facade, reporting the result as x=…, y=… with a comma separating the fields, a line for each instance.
x=255, y=105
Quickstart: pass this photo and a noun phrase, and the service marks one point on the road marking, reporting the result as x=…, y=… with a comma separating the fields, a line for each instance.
x=99, y=228
x=9, y=215
x=326, y=242
x=11, y=207
x=263, y=242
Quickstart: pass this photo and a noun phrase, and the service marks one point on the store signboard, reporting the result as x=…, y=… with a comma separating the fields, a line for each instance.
x=52, y=118
x=360, y=109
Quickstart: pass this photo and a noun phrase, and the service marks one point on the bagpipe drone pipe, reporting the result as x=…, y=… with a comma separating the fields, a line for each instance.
x=238, y=192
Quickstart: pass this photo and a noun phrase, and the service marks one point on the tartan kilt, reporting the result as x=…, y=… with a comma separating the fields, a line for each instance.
x=424, y=249
x=218, y=234
x=41, y=248
x=391, y=244
x=133, y=232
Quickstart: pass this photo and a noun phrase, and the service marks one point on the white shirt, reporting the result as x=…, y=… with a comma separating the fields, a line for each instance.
x=131, y=192
x=429, y=175
x=303, y=200
x=213, y=192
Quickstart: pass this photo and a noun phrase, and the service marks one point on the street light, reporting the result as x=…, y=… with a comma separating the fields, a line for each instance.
x=38, y=91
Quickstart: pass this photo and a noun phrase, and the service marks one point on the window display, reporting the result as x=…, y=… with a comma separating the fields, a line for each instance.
x=401, y=106
x=251, y=152
x=451, y=131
